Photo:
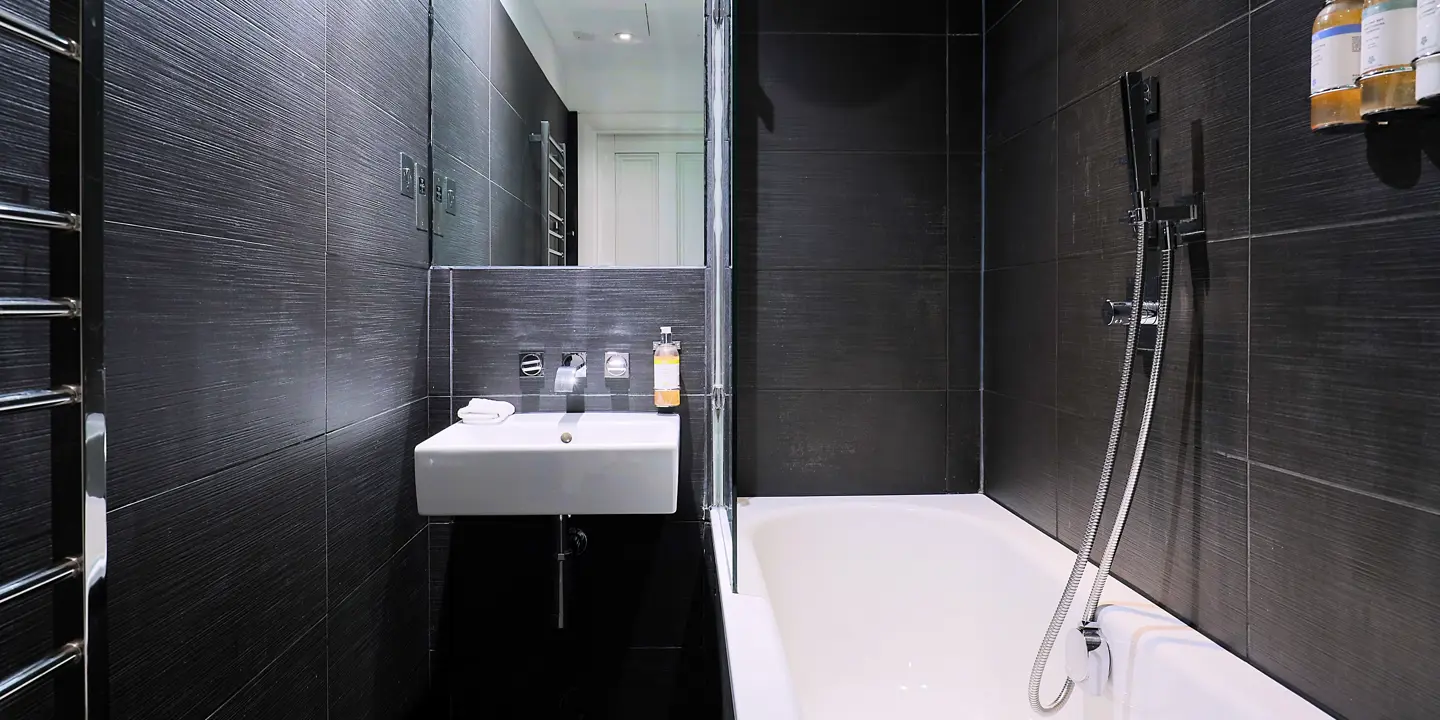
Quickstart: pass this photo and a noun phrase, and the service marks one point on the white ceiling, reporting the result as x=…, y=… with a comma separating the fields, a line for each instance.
x=662, y=70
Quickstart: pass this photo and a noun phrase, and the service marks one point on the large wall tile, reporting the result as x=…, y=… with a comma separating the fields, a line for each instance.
x=890, y=90
x=25, y=115
x=367, y=217
x=1020, y=458
x=965, y=340
x=468, y=23
x=845, y=211
x=461, y=113
x=375, y=338
x=464, y=238
x=1020, y=203
x=1343, y=334
x=1099, y=39
x=1093, y=181
x=841, y=330
x=248, y=111
x=293, y=687
x=379, y=659
x=376, y=47
x=500, y=312
x=438, y=332
x=839, y=443
x=1088, y=352
x=1020, y=333
x=1304, y=180
x=370, y=493
x=963, y=214
x=963, y=409
x=1021, y=72
x=1344, y=592
x=215, y=350
x=514, y=159
x=967, y=92
x=237, y=559
x=514, y=231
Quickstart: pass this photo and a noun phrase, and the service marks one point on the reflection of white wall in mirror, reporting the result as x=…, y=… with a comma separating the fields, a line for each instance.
x=652, y=209
x=536, y=34
x=593, y=192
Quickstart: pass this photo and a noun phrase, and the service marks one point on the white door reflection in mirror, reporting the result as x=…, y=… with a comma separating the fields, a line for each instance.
x=652, y=201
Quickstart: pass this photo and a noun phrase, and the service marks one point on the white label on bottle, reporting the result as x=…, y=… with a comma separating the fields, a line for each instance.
x=1335, y=57
x=1427, y=35
x=667, y=376
x=1389, y=35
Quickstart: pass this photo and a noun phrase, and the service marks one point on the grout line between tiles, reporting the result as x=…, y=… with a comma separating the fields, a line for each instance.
x=1249, y=295
x=293, y=644
x=382, y=565
x=1420, y=507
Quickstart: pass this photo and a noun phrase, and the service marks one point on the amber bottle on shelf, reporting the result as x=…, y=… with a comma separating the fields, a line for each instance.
x=1334, y=65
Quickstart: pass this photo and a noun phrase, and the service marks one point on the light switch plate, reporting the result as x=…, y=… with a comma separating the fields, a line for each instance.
x=451, y=202
x=422, y=197
x=437, y=218
x=407, y=175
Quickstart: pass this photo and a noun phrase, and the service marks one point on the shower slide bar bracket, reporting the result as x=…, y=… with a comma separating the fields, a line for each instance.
x=1166, y=226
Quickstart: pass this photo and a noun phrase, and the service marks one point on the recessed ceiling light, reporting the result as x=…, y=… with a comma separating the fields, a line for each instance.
x=623, y=37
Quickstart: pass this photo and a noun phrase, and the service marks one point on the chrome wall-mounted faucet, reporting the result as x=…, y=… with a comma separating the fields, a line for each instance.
x=570, y=373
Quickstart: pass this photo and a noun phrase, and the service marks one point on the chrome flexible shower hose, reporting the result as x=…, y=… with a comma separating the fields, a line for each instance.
x=1097, y=510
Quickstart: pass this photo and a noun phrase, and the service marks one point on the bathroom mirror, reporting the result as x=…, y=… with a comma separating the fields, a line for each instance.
x=568, y=132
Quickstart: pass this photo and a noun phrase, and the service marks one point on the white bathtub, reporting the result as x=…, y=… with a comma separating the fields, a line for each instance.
x=913, y=608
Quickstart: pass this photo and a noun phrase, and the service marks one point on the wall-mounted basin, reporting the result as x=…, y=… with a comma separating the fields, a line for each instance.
x=594, y=463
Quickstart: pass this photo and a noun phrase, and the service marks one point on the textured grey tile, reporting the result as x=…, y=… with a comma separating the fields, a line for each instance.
x=501, y=312
x=1020, y=458
x=237, y=559
x=966, y=95
x=441, y=415
x=215, y=353
x=1020, y=223
x=963, y=446
x=636, y=583
x=25, y=116
x=1088, y=352
x=1204, y=95
x=1022, y=73
x=26, y=633
x=842, y=92
x=379, y=657
x=1020, y=333
x=370, y=496
x=839, y=443
x=841, y=330
x=1344, y=327
x=252, y=163
x=468, y=23
x=1343, y=596
x=299, y=26
x=25, y=441
x=995, y=10
x=513, y=69
x=514, y=231
x=514, y=159
x=1305, y=180
x=376, y=47
x=845, y=211
x=461, y=104
x=366, y=216
x=439, y=544
x=1099, y=39
x=293, y=687
x=964, y=334
x=438, y=346
x=827, y=16
x=1093, y=178
x=465, y=238
x=375, y=338
x=963, y=213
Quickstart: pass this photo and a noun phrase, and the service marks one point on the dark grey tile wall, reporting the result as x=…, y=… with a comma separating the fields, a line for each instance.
x=1288, y=480
x=489, y=96
x=639, y=640
x=857, y=258
x=267, y=358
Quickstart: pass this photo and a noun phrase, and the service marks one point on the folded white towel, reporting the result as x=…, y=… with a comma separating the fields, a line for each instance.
x=486, y=412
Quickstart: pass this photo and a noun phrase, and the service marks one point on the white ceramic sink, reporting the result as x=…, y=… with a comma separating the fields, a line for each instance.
x=552, y=464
